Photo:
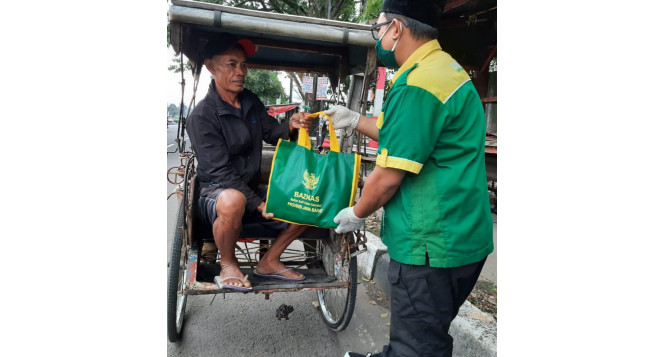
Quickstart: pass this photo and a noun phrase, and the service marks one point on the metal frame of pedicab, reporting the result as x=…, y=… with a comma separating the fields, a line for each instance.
x=290, y=43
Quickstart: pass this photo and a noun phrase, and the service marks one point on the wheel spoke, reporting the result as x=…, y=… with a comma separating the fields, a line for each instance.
x=337, y=304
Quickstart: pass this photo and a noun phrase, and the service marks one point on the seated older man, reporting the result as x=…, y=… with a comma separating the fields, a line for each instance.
x=226, y=130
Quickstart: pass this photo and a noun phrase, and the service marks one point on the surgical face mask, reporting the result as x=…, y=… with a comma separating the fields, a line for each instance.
x=385, y=56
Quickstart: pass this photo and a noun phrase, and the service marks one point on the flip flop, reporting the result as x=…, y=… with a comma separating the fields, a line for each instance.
x=278, y=275
x=221, y=285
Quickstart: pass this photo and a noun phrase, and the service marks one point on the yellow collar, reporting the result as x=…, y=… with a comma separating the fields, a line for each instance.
x=416, y=56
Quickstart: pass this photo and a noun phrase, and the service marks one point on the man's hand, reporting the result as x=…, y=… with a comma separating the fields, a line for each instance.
x=343, y=117
x=261, y=209
x=347, y=220
x=299, y=120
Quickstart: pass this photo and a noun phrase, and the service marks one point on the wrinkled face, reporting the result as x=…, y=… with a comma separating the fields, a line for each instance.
x=229, y=70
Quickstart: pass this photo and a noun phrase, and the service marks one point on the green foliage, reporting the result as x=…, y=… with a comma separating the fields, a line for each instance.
x=370, y=11
x=266, y=85
x=176, y=67
x=173, y=111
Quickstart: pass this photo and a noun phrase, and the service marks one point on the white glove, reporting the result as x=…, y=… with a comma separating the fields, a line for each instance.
x=343, y=117
x=347, y=220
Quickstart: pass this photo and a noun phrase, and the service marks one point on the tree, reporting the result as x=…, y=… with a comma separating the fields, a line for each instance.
x=370, y=10
x=266, y=85
x=173, y=111
x=176, y=67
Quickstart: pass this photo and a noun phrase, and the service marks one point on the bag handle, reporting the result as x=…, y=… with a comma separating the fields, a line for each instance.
x=304, y=140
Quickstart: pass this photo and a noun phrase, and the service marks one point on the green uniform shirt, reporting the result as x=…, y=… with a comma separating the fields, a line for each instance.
x=433, y=126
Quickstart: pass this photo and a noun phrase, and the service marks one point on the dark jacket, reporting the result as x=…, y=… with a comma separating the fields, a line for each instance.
x=228, y=147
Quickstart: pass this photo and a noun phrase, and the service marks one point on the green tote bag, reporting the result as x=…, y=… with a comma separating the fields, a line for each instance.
x=309, y=188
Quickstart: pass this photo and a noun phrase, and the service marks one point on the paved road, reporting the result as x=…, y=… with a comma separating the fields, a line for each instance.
x=246, y=325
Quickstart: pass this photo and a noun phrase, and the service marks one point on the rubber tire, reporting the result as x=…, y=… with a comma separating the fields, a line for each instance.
x=341, y=322
x=177, y=268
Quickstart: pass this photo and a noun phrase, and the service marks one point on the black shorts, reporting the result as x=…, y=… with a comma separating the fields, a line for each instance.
x=207, y=203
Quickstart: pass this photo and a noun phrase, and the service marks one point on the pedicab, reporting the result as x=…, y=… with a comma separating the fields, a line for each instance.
x=288, y=43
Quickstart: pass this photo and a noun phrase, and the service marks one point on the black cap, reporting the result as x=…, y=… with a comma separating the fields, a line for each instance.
x=225, y=41
x=426, y=11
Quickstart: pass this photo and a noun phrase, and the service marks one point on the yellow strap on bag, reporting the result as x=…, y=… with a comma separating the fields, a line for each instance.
x=303, y=137
x=326, y=189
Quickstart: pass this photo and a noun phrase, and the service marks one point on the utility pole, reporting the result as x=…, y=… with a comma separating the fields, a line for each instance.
x=290, y=97
x=315, y=89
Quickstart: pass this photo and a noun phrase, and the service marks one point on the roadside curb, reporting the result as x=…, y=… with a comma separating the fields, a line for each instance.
x=473, y=330
x=367, y=261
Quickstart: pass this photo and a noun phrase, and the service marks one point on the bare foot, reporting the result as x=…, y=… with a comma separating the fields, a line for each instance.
x=264, y=267
x=232, y=270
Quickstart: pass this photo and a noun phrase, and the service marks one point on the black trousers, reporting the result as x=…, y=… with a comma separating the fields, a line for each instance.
x=425, y=300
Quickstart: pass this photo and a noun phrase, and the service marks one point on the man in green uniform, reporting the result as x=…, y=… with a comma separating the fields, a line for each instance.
x=429, y=176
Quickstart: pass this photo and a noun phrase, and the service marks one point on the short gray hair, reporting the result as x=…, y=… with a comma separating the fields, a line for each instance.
x=417, y=28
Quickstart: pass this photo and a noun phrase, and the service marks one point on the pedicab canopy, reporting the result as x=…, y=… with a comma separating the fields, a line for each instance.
x=284, y=42
x=333, y=48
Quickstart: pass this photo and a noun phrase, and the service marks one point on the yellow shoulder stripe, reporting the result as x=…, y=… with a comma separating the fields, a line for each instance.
x=383, y=160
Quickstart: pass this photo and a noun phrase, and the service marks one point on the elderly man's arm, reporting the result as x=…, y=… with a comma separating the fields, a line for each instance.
x=299, y=120
x=273, y=131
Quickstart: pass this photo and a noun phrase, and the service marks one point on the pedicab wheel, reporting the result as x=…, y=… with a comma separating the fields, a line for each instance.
x=177, y=303
x=337, y=305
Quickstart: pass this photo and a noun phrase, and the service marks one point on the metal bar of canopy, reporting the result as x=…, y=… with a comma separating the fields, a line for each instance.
x=272, y=26
x=268, y=15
